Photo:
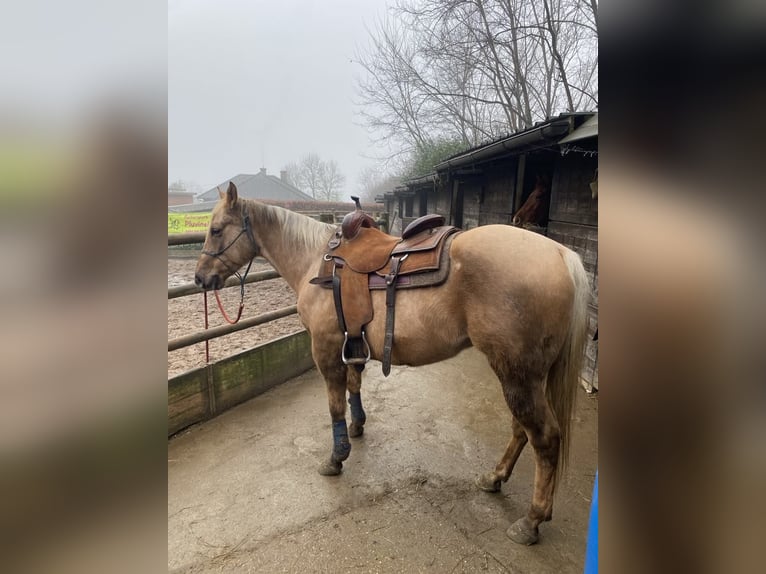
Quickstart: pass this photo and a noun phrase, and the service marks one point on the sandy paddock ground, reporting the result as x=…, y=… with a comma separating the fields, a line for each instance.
x=186, y=315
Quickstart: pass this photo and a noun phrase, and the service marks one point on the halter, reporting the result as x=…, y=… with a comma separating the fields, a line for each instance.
x=247, y=229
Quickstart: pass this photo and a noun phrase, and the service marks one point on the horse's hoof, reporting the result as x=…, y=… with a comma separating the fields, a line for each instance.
x=330, y=468
x=488, y=483
x=522, y=532
x=355, y=429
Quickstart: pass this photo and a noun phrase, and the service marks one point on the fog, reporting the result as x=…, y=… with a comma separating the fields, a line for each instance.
x=259, y=84
x=82, y=158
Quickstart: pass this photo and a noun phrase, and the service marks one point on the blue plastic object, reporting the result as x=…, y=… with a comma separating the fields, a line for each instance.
x=591, y=549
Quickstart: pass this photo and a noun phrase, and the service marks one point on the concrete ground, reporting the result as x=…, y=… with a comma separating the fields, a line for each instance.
x=244, y=494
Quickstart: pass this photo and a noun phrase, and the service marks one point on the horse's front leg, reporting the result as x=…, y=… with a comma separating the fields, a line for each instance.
x=334, y=373
x=358, y=417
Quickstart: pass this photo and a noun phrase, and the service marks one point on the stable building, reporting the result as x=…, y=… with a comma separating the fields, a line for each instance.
x=488, y=184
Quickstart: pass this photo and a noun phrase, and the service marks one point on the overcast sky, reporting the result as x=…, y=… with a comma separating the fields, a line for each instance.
x=256, y=84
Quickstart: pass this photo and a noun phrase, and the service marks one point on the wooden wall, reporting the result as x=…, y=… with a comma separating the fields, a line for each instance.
x=440, y=200
x=574, y=222
x=571, y=199
x=203, y=393
x=498, y=192
x=471, y=189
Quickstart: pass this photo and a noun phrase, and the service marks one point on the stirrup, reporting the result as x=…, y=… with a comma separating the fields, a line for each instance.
x=354, y=360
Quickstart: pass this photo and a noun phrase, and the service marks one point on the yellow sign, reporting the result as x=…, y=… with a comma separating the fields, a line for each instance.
x=188, y=222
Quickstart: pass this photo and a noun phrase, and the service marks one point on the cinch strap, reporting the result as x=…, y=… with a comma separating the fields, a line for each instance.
x=388, y=342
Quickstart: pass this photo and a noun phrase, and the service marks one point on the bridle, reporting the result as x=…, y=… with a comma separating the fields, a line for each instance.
x=247, y=229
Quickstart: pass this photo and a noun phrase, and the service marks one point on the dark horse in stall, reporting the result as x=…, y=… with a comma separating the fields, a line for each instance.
x=518, y=297
x=535, y=208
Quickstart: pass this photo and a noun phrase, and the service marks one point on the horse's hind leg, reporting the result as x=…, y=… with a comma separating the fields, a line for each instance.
x=530, y=407
x=532, y=416
x=334, y=374
x=490, y=482
x=358, y=416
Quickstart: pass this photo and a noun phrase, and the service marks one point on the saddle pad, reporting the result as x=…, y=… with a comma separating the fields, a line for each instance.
x=425, y=254
x=423, y=278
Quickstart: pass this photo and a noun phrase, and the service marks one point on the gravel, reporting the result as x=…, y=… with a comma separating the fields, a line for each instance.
x=186, y=315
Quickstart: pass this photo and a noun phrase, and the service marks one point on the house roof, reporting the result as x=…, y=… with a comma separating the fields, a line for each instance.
x=199, y=206
x=258, y=186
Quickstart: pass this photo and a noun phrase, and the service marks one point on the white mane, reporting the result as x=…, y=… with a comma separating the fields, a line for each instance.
x=299, y=231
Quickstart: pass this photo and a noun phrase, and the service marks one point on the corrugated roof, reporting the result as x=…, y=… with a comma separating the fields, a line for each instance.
x=588, y=129
x=542, y=131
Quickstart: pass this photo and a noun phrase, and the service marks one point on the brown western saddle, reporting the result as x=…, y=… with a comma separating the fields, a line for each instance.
x=361, y=258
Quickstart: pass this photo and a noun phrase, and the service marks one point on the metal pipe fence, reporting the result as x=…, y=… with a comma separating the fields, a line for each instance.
x=191, y=289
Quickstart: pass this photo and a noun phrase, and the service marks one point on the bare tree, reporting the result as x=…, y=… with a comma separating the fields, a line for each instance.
x=177, y=185
x=306, y=174
x=375, y=181
x=470, y=70
x=391, y=107
x=321, y=179
x=331, y=181
x=185, y=185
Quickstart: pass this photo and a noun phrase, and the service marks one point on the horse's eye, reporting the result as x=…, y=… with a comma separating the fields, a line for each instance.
x=215, y=231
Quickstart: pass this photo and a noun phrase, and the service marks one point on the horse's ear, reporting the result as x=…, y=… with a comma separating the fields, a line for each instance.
x=231, y=195
x=220, y=191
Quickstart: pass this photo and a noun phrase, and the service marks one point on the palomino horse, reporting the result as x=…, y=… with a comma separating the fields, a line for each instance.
x=535, y=208
x=517, y=296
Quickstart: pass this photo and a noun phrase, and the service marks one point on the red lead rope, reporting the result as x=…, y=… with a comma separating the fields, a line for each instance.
x=225, y=316
x=220, y=305
x=207, y=343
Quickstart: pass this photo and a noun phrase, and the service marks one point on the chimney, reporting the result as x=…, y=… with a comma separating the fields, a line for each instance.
x=283, y=176
x=263, y=171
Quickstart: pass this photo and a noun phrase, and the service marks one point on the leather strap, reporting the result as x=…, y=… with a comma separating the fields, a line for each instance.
x=338, y=302
x=388, y=343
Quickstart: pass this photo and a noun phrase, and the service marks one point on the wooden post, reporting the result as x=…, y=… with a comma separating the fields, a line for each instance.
x=518, y=191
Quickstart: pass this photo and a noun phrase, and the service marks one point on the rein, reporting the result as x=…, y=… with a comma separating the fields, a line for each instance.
x=247, y=229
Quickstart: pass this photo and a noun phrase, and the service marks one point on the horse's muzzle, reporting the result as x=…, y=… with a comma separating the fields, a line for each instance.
x=211, y=282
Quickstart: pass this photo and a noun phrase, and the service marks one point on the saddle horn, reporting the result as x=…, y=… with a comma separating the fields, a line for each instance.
x=355, y=220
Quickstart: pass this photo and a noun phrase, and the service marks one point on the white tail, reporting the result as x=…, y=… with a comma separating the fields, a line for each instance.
x=564, y=376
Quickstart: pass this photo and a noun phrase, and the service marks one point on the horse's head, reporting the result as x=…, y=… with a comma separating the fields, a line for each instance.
x=229, y=244
x=535, y=208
